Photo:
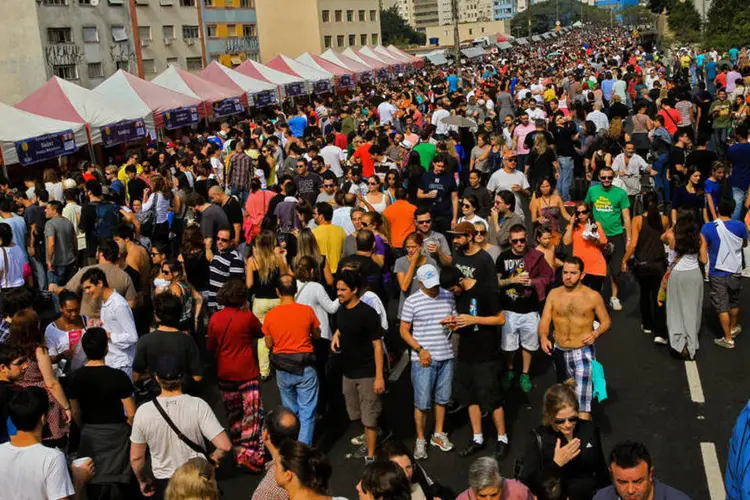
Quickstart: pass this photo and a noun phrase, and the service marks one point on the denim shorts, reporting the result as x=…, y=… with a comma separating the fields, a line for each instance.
x=431, y=383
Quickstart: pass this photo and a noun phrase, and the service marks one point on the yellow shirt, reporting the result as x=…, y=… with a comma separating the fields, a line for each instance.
x=685, y=61
x=549, y=94
x=330, y=239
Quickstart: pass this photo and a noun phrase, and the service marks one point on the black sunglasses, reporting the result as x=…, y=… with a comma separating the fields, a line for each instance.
x=424, y=221
x=224, y=240
x=570, y=420
x=582, y=212
x=606, y=178
x=518, y=240
x=512, y=160
x=482, y=233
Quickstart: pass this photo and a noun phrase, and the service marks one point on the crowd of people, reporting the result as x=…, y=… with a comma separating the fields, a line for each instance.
x=449, y=225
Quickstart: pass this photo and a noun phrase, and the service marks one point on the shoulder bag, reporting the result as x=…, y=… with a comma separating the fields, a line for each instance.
x=192, y=445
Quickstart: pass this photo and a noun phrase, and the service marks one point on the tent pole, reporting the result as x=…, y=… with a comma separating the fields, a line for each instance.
x=92, y=156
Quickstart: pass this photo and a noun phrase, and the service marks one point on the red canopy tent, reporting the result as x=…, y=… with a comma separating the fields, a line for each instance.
x=344, y=77
x=216, y=100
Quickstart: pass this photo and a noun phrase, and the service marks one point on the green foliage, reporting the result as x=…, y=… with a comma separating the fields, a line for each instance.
x=658, y=6
x=728, y=24
x=396, y=31
x=544, y=15
x=685, y=22
x=637, y=15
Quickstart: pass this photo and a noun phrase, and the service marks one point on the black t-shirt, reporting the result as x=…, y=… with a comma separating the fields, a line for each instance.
x=702, y=159
x=6, y=391
x=99, y=391
x=677, y=156
x=370, y=270
x=516, y=298
x=445, y=185
x=542, y=166
x=158, y=343
x=478, y=343
x=564, y=139
x=359, y=327
x=478, y=267
x=308, y=187
x=136, y=188
x=233, y=212
x=34, y=214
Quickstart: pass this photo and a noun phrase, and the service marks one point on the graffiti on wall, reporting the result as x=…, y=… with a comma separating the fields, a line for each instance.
x=62, y=54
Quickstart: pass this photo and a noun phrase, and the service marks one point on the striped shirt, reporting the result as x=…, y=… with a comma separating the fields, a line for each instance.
x=240, y=171
x=425, y=314
x=225, y=266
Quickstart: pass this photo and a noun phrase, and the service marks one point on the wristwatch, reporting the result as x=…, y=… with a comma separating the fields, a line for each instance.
x=418, y=349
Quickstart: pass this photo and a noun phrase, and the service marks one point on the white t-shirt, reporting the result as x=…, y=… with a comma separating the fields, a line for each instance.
x=12, y=277
x=332, y=157
x=386, y=111
x=504, y=181
x=192, y=416
x=58, y=341
x=34, y=472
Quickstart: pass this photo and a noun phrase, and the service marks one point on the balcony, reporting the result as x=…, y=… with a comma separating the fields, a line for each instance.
x=246, y=44
x=61, y=54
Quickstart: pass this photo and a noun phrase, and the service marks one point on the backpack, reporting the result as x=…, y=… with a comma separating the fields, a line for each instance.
x=107, y=219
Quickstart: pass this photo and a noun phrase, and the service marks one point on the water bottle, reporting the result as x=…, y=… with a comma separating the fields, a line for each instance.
x=473, y=311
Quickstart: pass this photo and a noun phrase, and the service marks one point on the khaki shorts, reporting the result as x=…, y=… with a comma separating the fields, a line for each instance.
x=361, y=401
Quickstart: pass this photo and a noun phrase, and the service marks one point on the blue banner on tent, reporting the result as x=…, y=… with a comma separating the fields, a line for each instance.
x=382, y=73
x=294, y=89
x=180, y=117
x=44, y=147
x=265, y=98
x=124, y=131
x=346, y=81
x=226, y=107
x=366, y=77
x=322, y=87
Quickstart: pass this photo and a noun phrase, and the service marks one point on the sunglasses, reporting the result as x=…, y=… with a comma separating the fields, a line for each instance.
x=511, y=160
x=428, y=221
x=570, y=420
x=364, y=224
x=223, y=240
x=607, y=178
x=582, y=212
x=154, y=254
x=372, y=183
x=466, y=205
x=518, y=240
x=327, y=186
x=166, y=271
x=482, y=233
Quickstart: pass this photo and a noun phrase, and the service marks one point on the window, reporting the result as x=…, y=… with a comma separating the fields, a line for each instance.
x=167, y=32
x=471, y=31
x=166, y=3
x=482, y=30
x=337, y=15
x=66, y=71
x=352, y=40
x=190, y=32
x=249, y=30
x=211, y=30
x=187, y=3
x=123, y=65
x=144, y=32
x=84, y=2
x=54, y=2
x=59, y=35
x=326, y=16
x=361, y=16
x=374, y=39
x=327, y=41
x=149, y=67
x=208, y=3
x=194, y=63
x=95, y=70
x=349, y=16
x=90, y=34
x=116, y=2
x=141, y=2
x=119, y=34
x=340, y=41
x=231, y=30
x=373, y=15
x=363, y=39
x=173, y=61
x=247, y=4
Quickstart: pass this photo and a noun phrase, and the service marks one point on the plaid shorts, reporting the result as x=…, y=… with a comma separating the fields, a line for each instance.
x=576, y=364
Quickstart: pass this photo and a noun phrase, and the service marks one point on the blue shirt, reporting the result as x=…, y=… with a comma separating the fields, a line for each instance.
x=711, y=70
x=733, y=53
x=737, y=478
x=297, y=125
x=739, y=156
x=713, y=189
x=607, y=86
x=699, y=60
x=452, y=83
x=712, y=238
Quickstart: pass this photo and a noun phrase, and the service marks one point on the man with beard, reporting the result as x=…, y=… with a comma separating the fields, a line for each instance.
x=574, y=310
x=471, y=261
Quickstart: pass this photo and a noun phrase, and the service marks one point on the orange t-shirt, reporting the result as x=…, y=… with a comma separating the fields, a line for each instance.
x=400, y=215
x=290, y=326
x=589, y=252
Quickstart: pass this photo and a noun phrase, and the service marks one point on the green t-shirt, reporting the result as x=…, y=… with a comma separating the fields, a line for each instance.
x=607, y=206
x=426, y=152
x=722, y=119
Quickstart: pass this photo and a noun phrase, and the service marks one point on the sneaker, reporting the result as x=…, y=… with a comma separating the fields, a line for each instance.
x=645, y=330
x=736, y=331
x=508, y=380
x=726, y=344
x=358, y=440
x=420, y=450
x=470, y=449
x=525, y=382
x=615, y=303
x=501, y=450
x=361, y=451
x=660, y=340
x=369, y=460
x=441, y=441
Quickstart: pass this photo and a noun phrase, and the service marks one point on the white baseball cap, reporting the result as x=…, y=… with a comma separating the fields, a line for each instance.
x=428, y=275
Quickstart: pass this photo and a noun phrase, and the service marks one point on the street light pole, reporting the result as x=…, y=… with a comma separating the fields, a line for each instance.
x=456, y=39
x=528, y=14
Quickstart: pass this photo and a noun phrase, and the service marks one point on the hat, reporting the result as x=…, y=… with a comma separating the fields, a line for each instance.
x=510, y=153
x=168, y=367
x=357, y=170
x=463, y=228
x=428, y=275
x=406, y=144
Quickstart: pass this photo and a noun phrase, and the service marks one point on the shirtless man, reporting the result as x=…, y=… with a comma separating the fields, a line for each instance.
x=136, y=255
x=574, y=309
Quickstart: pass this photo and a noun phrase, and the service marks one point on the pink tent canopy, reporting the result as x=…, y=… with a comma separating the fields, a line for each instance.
x=388, y=60
x=292, y=86
x=321, y=80
x=217, y=100
x=258, y=92
x=418, y=61
x=346, y=62
x=344, y=77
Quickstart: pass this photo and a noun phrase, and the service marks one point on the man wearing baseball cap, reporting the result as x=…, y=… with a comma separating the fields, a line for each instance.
x=469, y=258
x=423, y=330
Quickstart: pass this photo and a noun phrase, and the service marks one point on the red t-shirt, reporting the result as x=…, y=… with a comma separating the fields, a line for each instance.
x=341, y=141
x=232, y=336
x=290, y=326
x=368, y=164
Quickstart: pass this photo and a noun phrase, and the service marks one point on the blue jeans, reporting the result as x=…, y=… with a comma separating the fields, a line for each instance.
x=299, y=393
x=739, y=202
x=660, y=179
x=60, y=275
x=434, y=380
x=39, y=270
x=522, y=164
x=566, y=176
x=719, y=141
x=242, y=195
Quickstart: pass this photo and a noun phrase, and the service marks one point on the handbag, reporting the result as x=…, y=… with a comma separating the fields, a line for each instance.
x=192, y=445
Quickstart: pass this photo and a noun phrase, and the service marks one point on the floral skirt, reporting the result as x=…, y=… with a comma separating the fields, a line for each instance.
x=244, y=409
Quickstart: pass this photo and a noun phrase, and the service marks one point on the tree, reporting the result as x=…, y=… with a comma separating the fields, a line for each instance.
x=684, y=21
x=396, y=31
x=728, y=24
x=544, y=15
x=658, y=6
x=637, y=14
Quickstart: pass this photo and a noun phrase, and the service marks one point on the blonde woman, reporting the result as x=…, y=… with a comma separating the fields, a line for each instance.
x=264, y=268
x=542, y=162
x=158, y=199
x=53, y=184
x=307, y=246
x=193, y=480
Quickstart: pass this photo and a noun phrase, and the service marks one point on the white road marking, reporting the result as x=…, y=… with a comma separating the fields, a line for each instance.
x=694, y=382
x=714, y=477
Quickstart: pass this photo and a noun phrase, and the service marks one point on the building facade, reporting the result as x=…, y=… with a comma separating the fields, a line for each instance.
x=316, y=25
x=22, y=64
x=503, y=9
x=230, y=30
x=168, y=32
x=469, y=11
x=467, y=31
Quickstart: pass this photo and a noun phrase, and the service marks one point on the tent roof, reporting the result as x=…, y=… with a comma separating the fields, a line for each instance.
x=364, y=59
x=194, y=86
x=323, y=64
x=293, y=67
x=413, y=58
x=436, y=58
x=262, y=72
x=522, y=41
x=221, y=75
x=345, y=62
x=536, y=38
x=387, y=60
x=473, y=52
x=17, y=125
x=504, y=45
x=399, y=58
x=140, y=94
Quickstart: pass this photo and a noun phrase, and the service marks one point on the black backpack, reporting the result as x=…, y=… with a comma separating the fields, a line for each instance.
x=107, y=219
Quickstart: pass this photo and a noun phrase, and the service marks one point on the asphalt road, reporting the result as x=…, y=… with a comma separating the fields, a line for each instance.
x=650, y=399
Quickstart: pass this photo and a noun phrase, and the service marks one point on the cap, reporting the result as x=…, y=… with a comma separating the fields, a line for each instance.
x=463, y=228
x=356, y=170
x=168, y=367
x=428, y=275
x=406, y=144
x=510, y=153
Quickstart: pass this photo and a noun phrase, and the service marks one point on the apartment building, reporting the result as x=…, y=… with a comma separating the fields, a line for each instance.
x=168, y=33
x=469, y=11
x=22, y=63
x=503, y=9
x=316, y=25
x=230, y=30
